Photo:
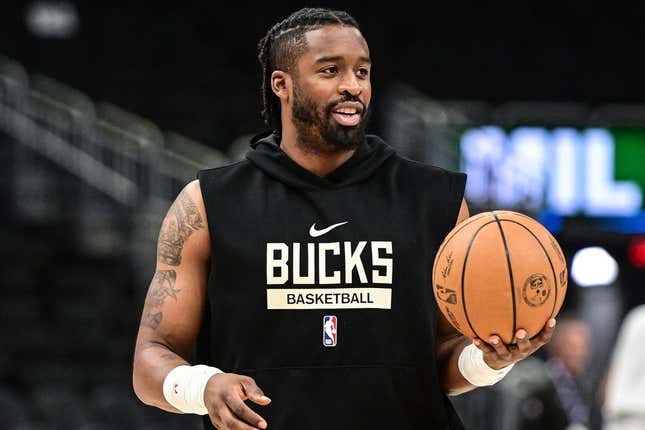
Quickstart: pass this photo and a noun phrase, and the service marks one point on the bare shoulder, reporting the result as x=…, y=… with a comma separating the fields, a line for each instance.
x=184, y=222
x=191, y=197
x=464, y=213
x=193, y=188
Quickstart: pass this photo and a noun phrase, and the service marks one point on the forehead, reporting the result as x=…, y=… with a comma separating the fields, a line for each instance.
x=335, y=41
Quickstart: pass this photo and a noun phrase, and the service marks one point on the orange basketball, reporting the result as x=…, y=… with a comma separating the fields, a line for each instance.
x=497, y=272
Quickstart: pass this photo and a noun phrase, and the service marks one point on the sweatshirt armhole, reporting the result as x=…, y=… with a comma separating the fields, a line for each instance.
x=204, y=177
x=457, y=188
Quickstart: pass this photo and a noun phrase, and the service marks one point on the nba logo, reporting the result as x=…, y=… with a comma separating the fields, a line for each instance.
x=330, y=334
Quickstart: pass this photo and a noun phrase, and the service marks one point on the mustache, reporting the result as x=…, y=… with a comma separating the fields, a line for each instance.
x=346, y=98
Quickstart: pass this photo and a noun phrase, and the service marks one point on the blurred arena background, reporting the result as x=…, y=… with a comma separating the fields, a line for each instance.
x=107, y=110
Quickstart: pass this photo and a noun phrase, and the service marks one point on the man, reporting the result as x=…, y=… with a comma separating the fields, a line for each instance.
x=552, y=394
x=568, y=356
x=321, y=226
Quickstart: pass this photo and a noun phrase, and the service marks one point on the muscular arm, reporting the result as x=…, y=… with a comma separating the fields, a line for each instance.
x=450, y=343
x=176, y=297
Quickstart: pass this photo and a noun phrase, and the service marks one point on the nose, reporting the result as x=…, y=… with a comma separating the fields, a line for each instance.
x=350, y=85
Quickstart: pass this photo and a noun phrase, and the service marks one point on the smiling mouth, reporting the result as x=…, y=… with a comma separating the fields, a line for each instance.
x=348, y=116
x=347, y=119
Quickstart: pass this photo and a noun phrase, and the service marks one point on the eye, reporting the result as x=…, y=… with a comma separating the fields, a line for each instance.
x=363, y=72
x=330, y=70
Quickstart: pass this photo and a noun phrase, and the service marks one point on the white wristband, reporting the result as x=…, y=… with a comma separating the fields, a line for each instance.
x=184, y=387
x=473, y=367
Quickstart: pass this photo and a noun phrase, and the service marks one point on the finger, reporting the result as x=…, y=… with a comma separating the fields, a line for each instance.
x=486, y=349
x=500, y=348
x=524, y=345
x=241, y=411
x=224, y=419
x=253, y=392
x=547, y=332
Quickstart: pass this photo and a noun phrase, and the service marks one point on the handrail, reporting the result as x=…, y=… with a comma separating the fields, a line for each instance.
x=65, y=126
x=111, y=150
x=71, y=158
x=185, y=157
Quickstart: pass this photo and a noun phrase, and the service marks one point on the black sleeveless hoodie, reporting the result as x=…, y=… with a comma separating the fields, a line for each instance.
x=320, y=287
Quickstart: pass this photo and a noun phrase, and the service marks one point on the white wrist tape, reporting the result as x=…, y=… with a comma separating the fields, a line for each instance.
x=473, y=367
x=184, y=387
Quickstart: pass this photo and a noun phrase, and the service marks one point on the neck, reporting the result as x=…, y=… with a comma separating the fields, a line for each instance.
x=318, y=163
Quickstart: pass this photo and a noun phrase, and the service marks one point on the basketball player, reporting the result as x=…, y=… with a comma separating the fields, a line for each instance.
x=320, y=227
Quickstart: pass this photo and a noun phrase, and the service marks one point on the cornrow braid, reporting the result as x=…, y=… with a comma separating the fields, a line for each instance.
x=281, y=46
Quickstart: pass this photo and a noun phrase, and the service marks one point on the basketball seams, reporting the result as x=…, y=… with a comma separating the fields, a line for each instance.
x=449, y=236
x=473, y=235
x=463, y=275
x=510, y=273
x=452, y=234
x=548, y=257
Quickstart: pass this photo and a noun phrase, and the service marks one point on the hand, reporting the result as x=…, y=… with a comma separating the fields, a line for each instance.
x=224, y=398
x=498, y=355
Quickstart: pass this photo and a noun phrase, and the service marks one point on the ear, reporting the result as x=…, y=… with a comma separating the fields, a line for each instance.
x=281, y=84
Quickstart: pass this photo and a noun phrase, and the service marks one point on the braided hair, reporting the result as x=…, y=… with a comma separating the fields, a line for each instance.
x=283, y=44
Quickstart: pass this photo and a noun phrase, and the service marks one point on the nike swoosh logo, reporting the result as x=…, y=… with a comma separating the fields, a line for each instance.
x=315, y=233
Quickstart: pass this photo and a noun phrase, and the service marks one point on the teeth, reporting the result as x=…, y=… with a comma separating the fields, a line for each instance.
x=346, y=111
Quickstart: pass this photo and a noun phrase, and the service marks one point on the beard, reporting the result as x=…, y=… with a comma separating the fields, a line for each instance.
x=318, y=132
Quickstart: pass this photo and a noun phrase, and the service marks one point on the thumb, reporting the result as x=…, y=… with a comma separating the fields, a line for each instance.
x=253, y=392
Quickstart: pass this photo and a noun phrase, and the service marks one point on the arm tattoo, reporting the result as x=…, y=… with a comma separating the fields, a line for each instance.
x=162, y=286
x=182, y=220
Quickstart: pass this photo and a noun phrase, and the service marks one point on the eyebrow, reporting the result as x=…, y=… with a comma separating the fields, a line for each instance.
x=329, y=59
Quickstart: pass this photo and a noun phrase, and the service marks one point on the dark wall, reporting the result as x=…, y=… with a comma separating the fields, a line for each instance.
x=192, y=68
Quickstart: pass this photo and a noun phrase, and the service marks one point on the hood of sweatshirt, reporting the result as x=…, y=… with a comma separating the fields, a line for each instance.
x=368, y=157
